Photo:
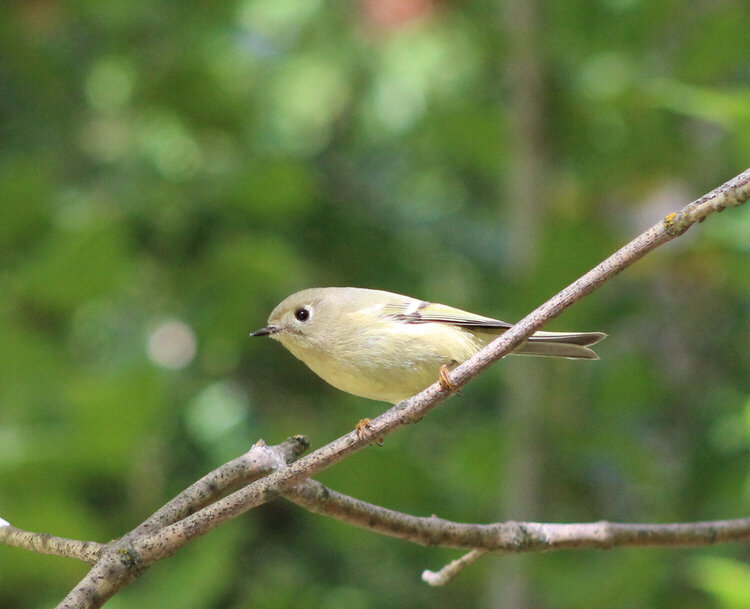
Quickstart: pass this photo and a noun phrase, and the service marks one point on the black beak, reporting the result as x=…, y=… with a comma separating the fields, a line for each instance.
x=267, y=331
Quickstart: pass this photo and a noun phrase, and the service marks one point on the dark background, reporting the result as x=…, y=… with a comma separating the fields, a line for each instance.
x=169, y=171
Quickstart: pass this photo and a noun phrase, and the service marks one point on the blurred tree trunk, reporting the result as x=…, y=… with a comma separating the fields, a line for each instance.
x=522, y=190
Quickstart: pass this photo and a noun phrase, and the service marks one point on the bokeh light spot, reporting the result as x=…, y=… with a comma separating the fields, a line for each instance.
x=172, y=345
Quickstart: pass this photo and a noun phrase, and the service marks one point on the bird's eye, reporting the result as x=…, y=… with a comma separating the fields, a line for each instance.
x=302, y=314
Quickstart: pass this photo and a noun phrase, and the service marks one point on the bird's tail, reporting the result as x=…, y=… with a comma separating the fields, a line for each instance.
x=574, y=345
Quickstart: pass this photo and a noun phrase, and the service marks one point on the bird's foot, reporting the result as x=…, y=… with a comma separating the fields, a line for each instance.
x=445, y=380
x=362, y=428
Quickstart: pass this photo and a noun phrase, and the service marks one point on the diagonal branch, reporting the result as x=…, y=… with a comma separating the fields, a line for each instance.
x=166, y=541
x=259, y=461
x=119, y=564
x=178, y=522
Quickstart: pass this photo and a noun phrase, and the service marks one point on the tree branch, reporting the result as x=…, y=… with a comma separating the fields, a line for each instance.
x=42, y=543
x=120, y=563
x=508, y=537
x=165, y=542
x=259, y=461
x=178, y=522
x=512, y=537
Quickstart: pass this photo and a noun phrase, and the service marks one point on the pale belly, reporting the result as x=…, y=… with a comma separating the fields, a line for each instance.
x=392, y=367
x=386, y=383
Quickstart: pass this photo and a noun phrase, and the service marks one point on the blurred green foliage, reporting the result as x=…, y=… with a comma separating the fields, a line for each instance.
x=170, y=170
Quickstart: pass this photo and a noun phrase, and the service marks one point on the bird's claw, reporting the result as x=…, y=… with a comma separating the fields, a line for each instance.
x=445, y=380
x=362, y=428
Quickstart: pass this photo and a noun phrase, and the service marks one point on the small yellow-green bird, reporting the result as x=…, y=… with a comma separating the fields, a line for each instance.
x=389, y=347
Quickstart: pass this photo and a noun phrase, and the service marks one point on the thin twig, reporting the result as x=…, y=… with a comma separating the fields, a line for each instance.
x=453, y=568
x=43, y=543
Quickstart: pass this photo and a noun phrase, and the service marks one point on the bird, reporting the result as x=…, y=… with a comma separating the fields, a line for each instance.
x=388, y=347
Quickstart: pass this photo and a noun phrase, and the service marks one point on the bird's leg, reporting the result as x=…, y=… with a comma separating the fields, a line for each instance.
x=445, y=380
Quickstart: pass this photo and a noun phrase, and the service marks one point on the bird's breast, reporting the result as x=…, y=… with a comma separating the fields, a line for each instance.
x=390, y=362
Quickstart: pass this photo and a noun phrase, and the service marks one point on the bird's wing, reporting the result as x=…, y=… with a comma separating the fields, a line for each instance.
x=421, y=312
